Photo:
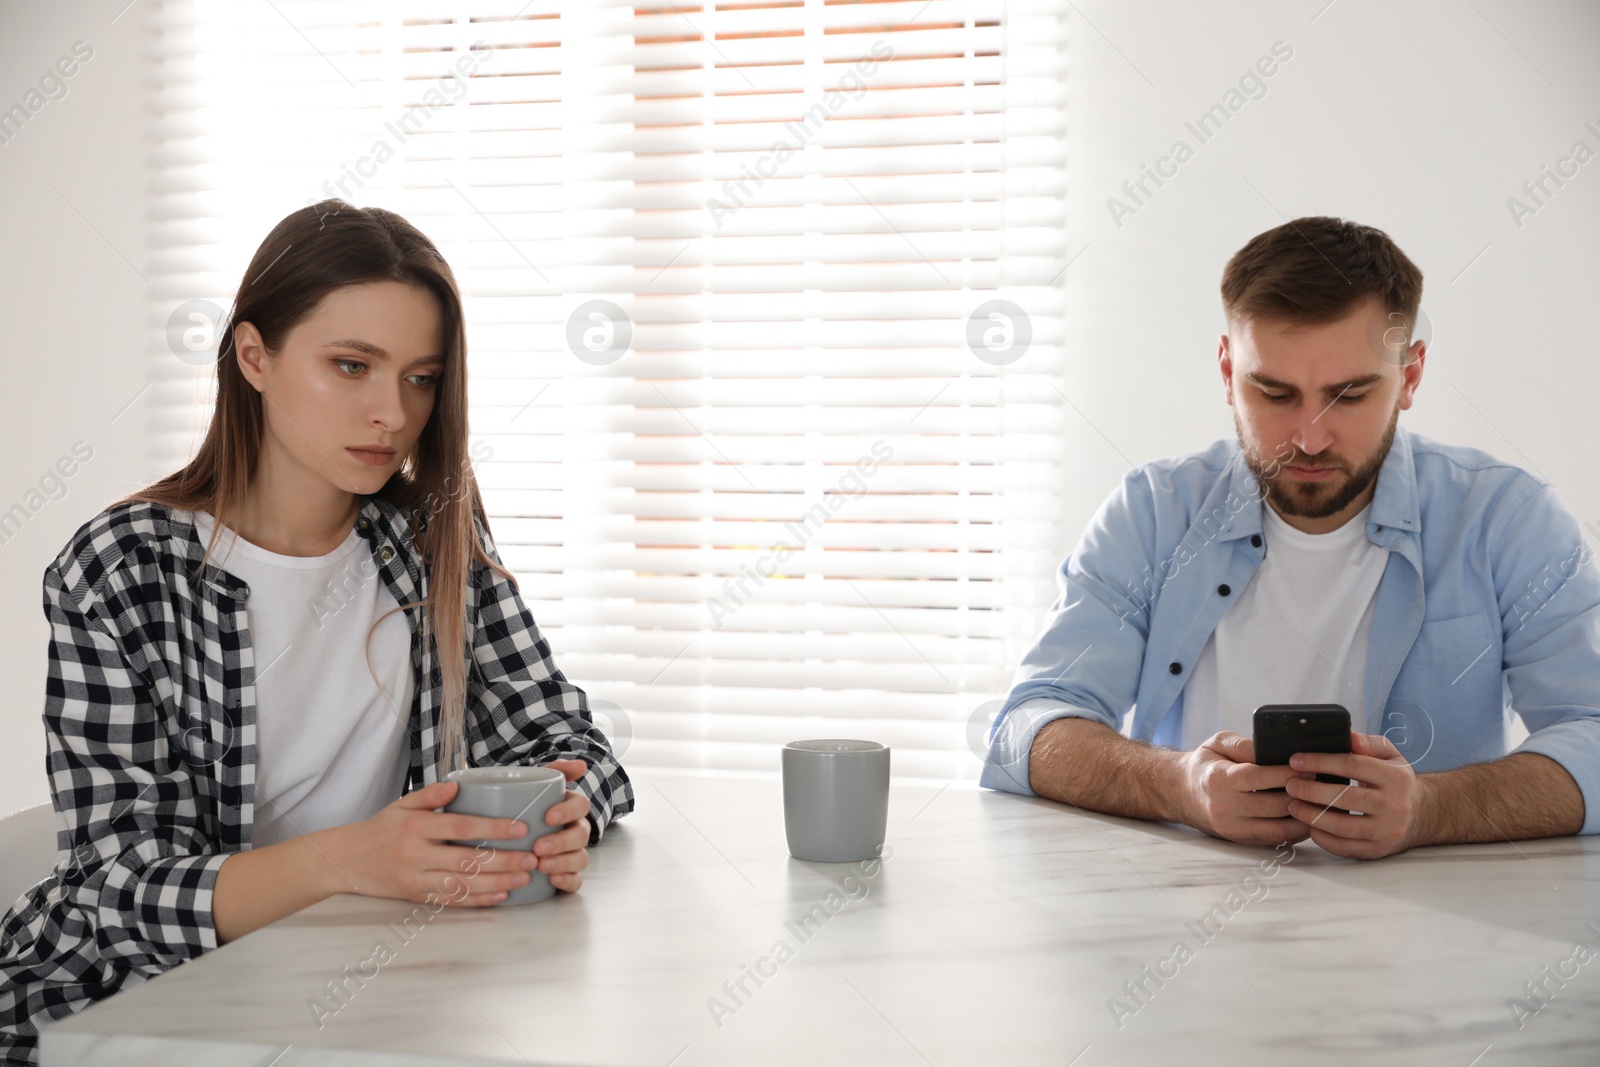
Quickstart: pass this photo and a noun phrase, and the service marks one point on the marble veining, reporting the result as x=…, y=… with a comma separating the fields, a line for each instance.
x=999, y=929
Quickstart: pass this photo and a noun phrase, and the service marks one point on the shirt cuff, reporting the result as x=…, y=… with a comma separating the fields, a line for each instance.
x=1011, y=744
x=170, y=905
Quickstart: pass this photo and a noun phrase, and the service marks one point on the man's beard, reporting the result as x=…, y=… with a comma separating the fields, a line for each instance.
x=1314, y=500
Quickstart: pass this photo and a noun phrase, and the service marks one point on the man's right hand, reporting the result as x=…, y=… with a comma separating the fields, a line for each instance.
x=1222, y=794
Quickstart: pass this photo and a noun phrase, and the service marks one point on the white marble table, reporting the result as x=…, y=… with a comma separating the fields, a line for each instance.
x=998, y=931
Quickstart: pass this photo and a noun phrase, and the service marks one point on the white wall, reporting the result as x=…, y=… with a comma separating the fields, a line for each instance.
x=1419, y=118
x=72, y=314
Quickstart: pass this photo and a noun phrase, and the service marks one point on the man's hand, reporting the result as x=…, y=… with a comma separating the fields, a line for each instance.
x=564, y=853
x=1383, y=787
x=1221, y=784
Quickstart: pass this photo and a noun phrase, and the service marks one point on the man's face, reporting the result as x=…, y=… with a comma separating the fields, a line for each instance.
x=1315, y=407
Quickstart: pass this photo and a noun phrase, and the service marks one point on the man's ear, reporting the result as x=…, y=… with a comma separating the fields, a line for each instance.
x=1225, y=364
x=1411, y=373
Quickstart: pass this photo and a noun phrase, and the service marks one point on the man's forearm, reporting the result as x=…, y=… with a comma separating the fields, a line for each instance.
x=1520, y=796
x=1084, y=762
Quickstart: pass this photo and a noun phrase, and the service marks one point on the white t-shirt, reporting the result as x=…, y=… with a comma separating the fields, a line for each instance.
x=1297, y=633
x=331, y=748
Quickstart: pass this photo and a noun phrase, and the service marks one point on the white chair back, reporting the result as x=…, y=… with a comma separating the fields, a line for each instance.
x=27, y=851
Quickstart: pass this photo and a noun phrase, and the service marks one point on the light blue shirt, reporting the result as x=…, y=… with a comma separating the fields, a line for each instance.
x=1489, y=605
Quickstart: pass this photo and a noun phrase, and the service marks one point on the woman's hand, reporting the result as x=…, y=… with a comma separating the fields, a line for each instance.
x=401, y=852
x=564, y=853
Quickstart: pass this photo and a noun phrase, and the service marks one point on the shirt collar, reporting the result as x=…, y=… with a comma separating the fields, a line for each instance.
x=389, y=522
x=1395, y=503
x=180, y=529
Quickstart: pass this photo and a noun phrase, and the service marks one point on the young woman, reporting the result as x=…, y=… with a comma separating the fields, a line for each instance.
x=252, y=659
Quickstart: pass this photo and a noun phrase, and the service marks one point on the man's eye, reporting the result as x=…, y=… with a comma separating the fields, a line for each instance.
x=1352, y=398
x=1276, y=398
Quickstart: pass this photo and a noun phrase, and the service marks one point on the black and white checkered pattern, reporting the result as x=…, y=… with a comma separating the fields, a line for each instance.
x=150, y=724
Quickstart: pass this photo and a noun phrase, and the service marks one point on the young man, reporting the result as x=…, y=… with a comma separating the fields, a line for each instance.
x=1328, y=557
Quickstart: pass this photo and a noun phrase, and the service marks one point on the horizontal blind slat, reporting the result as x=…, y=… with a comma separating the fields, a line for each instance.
x=781, y=330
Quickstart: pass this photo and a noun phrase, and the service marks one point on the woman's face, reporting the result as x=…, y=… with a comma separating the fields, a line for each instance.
x=346, y=397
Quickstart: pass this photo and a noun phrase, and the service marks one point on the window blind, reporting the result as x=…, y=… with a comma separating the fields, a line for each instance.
x=763, y=313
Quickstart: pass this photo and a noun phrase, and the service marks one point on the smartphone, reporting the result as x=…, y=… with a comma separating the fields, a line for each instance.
x=1281, y=730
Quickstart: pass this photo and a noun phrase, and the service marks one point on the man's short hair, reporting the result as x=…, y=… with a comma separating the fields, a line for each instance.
x=1315, y=270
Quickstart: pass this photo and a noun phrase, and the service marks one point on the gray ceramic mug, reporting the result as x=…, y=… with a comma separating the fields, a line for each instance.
x=835, y=799
x=525, y=794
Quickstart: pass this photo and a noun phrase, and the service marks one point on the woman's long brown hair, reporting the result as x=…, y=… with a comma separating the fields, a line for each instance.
x=312, y=252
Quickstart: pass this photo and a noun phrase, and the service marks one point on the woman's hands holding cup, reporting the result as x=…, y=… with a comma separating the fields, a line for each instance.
x=404, y=852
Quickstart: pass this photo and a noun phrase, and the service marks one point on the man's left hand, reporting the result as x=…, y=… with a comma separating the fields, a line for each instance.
x=1383, y=788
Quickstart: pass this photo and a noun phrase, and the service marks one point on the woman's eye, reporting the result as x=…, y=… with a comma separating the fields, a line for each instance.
x=343, y=364
x=424, y=381
x=428, y=379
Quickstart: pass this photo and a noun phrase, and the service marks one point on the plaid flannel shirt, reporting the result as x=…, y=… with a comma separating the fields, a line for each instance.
x=150, y=725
